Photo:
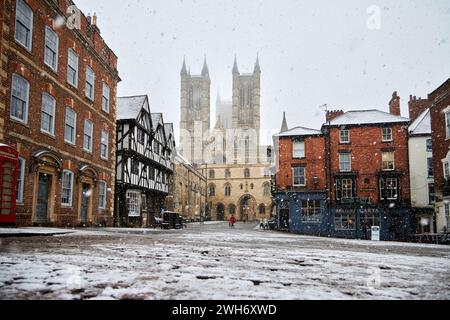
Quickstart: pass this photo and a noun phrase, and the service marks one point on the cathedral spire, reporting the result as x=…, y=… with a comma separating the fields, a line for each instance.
x=284, y=126
x=235, y=66
x=183, y=69
x=218, y=100
x=257, y=67
x=205, y=71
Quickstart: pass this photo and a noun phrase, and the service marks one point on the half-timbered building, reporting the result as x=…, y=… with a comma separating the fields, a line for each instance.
x=144, y=162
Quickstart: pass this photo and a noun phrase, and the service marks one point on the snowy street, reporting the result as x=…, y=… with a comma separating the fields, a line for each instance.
x=213, y=262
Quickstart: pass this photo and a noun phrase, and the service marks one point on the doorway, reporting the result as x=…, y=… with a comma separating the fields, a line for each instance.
x=220, y=212
x=44, y=183
x=85, y=203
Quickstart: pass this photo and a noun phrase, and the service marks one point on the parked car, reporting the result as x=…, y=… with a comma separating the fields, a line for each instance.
x=272, y=224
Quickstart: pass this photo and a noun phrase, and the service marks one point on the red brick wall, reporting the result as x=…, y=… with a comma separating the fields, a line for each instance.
x=29, y=138
x=417, y=107
x=441, y=146
x=366, y=152
x=314, y=162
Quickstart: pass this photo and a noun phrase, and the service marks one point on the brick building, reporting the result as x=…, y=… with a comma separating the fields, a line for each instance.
x=360, y=161
x=301, y=179
x=440, y=125
x=57, y=108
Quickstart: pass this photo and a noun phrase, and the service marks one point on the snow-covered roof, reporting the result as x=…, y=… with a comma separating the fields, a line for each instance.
x=422, y=125
x=129, y=107
x=299, y=131
x=182, y=159
x=360, y=117
x=168, y=127
x=156, y=118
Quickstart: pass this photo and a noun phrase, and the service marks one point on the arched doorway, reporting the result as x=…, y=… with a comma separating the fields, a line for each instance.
x=247, y=207
x=284, y=215
x=220, y=210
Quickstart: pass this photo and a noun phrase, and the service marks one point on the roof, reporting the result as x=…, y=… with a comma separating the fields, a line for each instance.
x=360, y=117
x=129, y=107
x=422, y=125
x=168, y=127
x=182, y=159
x=299, y=131
x=156, y=118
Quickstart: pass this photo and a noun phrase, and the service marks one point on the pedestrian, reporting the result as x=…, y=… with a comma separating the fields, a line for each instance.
x=266, y=224
x=261, y=224
x=364, y=230
x=232, y=221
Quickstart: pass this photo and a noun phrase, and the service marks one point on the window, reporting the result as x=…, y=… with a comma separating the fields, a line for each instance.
x=24, y=24
x=134, y=166
x=386, y=134
x=266, y=189
x=102, y=194
x=90, y=79
x=429, y=145
x=371, y=217
x=140, y=136
x=447, y=124
x=156, y=147
x=431, y=194
x=88, y=133
x=232, y=209
x=389, y=188
x=51, y=48
x=72, y=68
x=430, y=168
x=71, y=126
x=212, y=174
x=241, y=186
x=227, y=190
x=344, y=136
x=311, y=212
x=227, y=173
x=388, y=161
x=345, y=219
x=299, y=175
x=212, y=190
x=105, y=98
x=252, y=186
x=134, y=203
x=446, y=170
x=20, y=180
x=246, y=173
x=345, y=189
x=67, y=187
x=152, y=174
x=345, y=162
x=299, y=149
x=104, y=145
x=48, y=114
x=20, y=98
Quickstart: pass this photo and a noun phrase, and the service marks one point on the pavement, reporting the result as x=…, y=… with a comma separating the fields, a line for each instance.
x=212, y=261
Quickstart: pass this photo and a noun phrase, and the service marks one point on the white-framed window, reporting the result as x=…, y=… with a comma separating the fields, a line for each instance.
x=72, y=68
x=345, y=162
x=90, y=80
x=430, y=167
x=20, y=180
x=389, y=188
x=88, y=134
x=429, y=145
x=24, y=24
x=104, y=145
x=345, y=188
x=298, y=149
x=311, y=211
x=134, y=203
x=105, y=98
x=386, y=134
x=388, y=161
x=299, y=176
x=102, y=194
x=20, y=95
x=447, y=214
x=48, y=114
x=446, y=170
x=70, y=129
x=431, y=193
x=344, y=136
x=447, y=124
x=51, y=48
x=67, y=188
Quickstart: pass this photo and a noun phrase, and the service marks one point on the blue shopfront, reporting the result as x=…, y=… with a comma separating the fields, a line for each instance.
x=308, y=213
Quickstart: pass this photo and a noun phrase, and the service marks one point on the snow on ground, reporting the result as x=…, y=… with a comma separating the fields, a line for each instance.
x=212, y=261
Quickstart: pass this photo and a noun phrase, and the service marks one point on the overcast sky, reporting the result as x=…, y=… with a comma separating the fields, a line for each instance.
x=311, y=52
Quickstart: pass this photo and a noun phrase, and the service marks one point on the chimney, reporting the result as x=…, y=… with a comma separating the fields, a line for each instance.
x=417, y=106
x=94, y=19
x=394, y=105
x=89, y=18
x=331, y=115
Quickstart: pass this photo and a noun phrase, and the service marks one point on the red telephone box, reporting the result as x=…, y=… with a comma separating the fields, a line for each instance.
x=9, y=169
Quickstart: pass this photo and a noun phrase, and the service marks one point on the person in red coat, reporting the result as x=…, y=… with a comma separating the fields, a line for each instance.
x=232, y=221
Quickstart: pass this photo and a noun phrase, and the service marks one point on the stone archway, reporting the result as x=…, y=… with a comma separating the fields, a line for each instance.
x=247, y=208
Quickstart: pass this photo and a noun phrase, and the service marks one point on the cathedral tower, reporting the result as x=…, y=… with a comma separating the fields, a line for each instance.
x=195, y=112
